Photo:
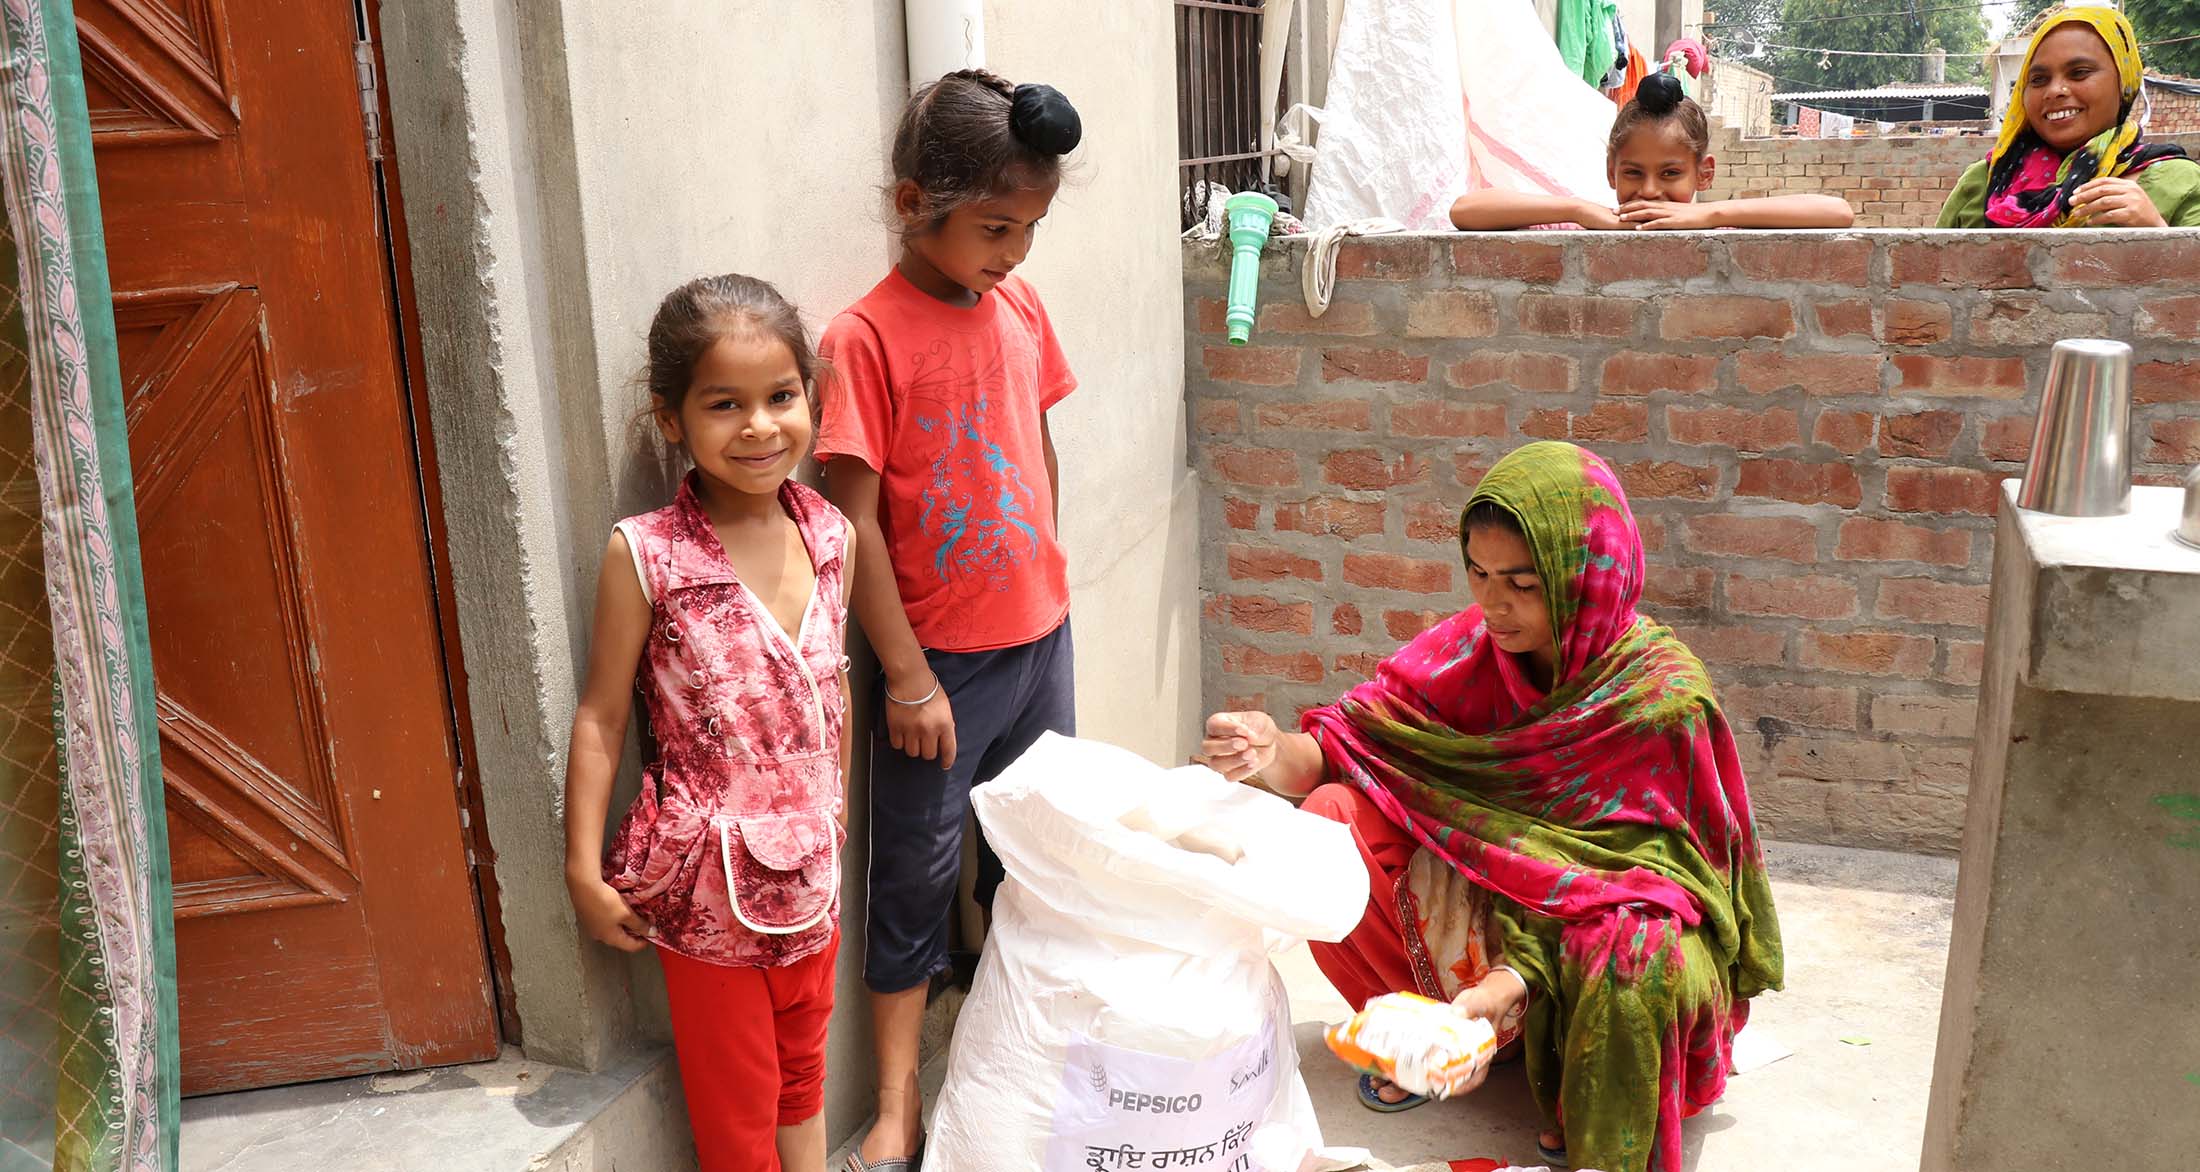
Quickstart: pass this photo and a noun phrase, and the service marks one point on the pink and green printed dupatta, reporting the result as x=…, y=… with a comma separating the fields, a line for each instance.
x=1609, y=814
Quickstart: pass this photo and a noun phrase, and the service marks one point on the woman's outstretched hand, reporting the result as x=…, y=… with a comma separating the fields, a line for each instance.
x=1239, y=744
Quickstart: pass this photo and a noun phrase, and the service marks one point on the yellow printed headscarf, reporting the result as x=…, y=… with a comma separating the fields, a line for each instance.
x=2114, y=151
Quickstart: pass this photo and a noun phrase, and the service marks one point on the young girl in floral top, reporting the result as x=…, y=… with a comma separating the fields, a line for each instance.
x=726, y=611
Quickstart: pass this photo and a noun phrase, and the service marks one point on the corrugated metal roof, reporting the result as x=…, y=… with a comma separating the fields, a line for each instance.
x=1892, y=93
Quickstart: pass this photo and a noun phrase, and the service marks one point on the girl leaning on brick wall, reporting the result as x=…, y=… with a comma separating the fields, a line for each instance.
x=1658, y=160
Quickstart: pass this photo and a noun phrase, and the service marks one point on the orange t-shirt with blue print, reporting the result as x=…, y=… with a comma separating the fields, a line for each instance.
x=945, y=404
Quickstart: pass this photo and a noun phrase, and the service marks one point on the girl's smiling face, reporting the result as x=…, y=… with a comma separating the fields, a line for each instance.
x=746, y=417
x=2071, y=93
x=1657, y=162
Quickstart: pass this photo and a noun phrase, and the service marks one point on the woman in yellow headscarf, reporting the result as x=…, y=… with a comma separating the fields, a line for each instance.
x=2071, y=152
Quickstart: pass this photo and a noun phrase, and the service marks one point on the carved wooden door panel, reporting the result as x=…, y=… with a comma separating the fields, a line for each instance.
x=326, y=921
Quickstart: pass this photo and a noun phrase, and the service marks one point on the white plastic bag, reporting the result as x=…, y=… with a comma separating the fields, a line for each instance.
x=1393, y=133
x=1429, y=99
x=1126, y=1006
x=1532, y=124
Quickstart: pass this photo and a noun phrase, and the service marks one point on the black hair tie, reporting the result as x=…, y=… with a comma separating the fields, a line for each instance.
x=1659, y=93
x=1042, y=119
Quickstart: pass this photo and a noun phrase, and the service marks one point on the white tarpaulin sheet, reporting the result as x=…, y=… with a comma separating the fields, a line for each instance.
x=1430, y=99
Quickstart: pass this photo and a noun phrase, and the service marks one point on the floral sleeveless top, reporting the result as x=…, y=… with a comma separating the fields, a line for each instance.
x=732, y=849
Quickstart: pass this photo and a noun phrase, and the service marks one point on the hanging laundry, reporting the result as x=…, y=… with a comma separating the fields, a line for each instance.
x=1807, y=122
x=1585, y=37
x=1637, y=69
x=1687, y=60
x=1617, y=75
x=1835, y=125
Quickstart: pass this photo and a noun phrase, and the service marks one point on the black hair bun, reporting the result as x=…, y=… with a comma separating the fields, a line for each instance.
x=1042, y=119
x=1659, y=93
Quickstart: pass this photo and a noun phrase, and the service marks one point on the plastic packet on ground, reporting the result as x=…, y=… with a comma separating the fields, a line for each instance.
x=1426, y=1047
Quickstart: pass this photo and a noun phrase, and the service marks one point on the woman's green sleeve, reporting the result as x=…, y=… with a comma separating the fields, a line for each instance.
x=2174, y=186
x=1966, y=206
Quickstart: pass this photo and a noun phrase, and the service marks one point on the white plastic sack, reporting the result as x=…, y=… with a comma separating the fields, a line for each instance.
x=1126, y=1013
x=1532, y=124
x=1429, y=99
x=1393, y=137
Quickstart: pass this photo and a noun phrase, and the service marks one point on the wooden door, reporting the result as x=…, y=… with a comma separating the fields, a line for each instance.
x=326, y=921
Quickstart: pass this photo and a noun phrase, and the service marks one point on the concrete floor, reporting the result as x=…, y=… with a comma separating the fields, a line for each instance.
x=501, y=1116
x=1867, y=948
x=1866, y=935
x=1867, y=944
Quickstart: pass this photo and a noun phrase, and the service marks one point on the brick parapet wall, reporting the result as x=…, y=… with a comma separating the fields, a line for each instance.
x=1891, y=182
x=1811, y=426
x=2173, y=113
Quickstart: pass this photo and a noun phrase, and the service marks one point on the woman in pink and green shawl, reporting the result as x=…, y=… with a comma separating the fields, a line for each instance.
x=1553, y=815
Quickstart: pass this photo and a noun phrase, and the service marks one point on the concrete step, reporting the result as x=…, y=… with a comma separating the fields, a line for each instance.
x=507, y=1115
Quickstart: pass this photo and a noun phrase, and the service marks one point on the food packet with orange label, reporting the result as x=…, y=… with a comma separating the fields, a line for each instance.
x=1426, y=1047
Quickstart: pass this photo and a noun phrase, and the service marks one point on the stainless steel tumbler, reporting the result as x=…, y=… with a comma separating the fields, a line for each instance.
x=2081, y=449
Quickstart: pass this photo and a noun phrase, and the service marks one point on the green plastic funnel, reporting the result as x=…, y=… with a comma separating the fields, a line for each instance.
x=1250, y=215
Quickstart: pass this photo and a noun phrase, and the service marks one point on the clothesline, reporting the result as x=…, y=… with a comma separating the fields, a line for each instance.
x=1972, y=7
x=1880, y=53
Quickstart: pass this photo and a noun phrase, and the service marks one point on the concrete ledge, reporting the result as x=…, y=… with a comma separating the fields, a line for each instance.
x=501, y=1116
x=2109, y=589
x=2073, y=851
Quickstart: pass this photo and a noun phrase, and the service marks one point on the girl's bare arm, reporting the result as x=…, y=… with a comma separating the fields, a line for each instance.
x=599, y=732
x=1783, y=211
x=1495, y=210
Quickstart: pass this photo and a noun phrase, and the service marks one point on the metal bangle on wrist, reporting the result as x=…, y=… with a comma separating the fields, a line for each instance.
x=920, y=701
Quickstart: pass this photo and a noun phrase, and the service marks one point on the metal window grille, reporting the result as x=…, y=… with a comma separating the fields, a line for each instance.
x=1218, y=100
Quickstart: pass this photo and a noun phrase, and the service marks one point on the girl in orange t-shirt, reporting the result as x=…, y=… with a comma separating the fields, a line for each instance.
x=936, y=446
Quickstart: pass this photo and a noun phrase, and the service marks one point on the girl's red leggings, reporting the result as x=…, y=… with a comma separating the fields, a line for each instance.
x=751, y=1043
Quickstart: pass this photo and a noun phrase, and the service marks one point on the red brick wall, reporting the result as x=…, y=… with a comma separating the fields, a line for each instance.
x=1891, y=182
x=1811, y=427
x=2174, y=113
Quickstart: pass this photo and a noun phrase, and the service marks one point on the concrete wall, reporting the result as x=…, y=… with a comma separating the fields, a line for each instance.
x=1739, y=95
x=563, y=166
x=1895, y=182
x=1108, y=264
x=1653, y=24
x=2080, y=831
x=1811, y=427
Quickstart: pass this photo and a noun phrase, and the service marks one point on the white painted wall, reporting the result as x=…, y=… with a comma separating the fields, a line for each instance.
x=1104, y=262
x=742, y=137
x=567, y=164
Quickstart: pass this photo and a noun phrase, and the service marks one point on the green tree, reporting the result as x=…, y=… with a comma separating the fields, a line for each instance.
x=2167, y=20
x=1882, y=26
x=2021, y=13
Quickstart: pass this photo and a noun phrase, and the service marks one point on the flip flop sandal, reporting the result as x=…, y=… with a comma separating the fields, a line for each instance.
x=1373, y=1100
x=909, y=1163
x=1555, y=1157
